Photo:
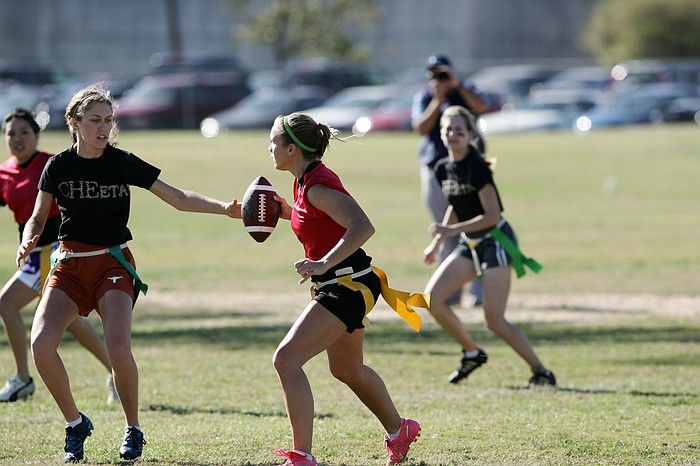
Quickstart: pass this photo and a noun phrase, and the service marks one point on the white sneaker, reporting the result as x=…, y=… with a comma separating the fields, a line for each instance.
x=16, y=389
x=112, y=395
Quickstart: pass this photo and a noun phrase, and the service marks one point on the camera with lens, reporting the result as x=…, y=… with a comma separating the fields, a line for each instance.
x=441, y=75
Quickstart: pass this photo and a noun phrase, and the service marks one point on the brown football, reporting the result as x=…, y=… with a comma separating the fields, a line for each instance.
x=259, y=210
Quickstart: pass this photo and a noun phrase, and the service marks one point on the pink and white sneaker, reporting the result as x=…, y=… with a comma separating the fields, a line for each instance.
x=398, y=448
x=296, y=458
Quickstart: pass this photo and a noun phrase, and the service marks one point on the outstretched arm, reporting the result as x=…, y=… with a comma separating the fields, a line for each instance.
x=190, y=201
x=35, y=225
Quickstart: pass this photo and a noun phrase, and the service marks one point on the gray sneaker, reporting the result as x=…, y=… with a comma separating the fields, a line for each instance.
x=16, y=389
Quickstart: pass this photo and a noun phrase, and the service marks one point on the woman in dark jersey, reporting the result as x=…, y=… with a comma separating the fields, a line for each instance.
x=94, y=269
x=487, y=247
x=332, y=228
x=19, y=181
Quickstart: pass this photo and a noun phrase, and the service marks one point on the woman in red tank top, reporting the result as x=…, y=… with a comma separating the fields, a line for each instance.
x=332, y=228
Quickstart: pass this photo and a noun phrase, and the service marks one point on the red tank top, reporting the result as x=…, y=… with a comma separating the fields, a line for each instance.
x=315, y=229
x=19, y=186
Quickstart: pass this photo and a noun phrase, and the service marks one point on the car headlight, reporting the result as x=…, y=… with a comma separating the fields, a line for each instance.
x=583, y=124
x=210, y=127
x=362, y=126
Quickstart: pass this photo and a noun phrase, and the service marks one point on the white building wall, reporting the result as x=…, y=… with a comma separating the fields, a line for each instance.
x=119, y=36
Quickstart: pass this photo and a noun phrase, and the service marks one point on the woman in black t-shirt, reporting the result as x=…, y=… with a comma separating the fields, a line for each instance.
x=474, y=212
x=91, y=182
x=19, y=178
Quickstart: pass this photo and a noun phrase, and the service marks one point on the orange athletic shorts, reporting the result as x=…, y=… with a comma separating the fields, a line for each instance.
x=86, y=279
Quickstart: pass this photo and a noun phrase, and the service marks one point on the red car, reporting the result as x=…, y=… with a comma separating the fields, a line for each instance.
x=178, y=100
x=393, y=115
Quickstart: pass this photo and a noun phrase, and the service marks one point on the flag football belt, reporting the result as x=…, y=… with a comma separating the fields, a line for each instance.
x=44, y=264
x=401, y=302
x=115, y=251
x=520, y=260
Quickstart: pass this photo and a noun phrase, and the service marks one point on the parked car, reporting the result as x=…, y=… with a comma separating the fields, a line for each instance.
x=178, y=100
x=546, y=109
x=632, y=73
x=332, y=75
x=30, y=72
x=595, y=78
x=683, y=109
x=394, y=114
x=55, y=99
x=643, y=104
x=344, y=108
x=684, y=71
x=196, y=62
x=511, y=82
x=259, y=109
x=17, y=95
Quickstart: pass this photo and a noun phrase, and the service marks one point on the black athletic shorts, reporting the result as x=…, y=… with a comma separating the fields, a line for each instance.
x=489, y=251
x=342, y=302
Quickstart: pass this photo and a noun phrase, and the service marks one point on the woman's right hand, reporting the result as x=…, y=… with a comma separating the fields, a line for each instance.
x=25, y=248
x=430, y=252
x=285, y=209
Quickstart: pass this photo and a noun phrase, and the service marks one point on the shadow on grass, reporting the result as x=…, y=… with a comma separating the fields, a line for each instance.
x=660, y=333
x=400, y=339
x=554, y=334
x=185, y=410
x=148, y=318
x=230, y=337
x=170, y=462
x=685, y=359
x=609, y=391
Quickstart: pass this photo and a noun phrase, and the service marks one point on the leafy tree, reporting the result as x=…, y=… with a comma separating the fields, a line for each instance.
x=624, y=29
x=295, y=28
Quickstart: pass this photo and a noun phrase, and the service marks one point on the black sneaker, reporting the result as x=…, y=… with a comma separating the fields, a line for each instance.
x=544, y=377
x=132, y=447
x=467, y=366
x=75, y=438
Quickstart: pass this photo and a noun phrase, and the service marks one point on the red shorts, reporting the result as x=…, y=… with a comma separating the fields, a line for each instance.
x=86, y=279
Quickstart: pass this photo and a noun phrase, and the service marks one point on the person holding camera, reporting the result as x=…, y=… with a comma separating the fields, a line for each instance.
x=444, y=89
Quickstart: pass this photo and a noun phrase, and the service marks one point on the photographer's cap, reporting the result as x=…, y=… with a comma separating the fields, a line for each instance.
x=436, y=60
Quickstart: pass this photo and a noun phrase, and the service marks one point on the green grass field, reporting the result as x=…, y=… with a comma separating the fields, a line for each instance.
x=628, y=389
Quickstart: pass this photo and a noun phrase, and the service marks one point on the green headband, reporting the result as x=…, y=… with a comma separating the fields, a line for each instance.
x=288, y=129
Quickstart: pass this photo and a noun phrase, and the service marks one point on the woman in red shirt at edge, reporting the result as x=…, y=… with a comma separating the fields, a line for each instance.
x=19, y=185
x=332, y=227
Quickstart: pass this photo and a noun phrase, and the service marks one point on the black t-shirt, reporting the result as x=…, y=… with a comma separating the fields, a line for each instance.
x=93, y=195
x=461, y=182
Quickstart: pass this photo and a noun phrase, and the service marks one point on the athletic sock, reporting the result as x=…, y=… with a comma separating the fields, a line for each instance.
x=394, y=435
x=471, y=354
x=75, y=423
x=308, y=456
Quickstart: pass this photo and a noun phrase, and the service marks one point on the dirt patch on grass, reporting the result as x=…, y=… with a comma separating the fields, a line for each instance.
x=578, y=308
